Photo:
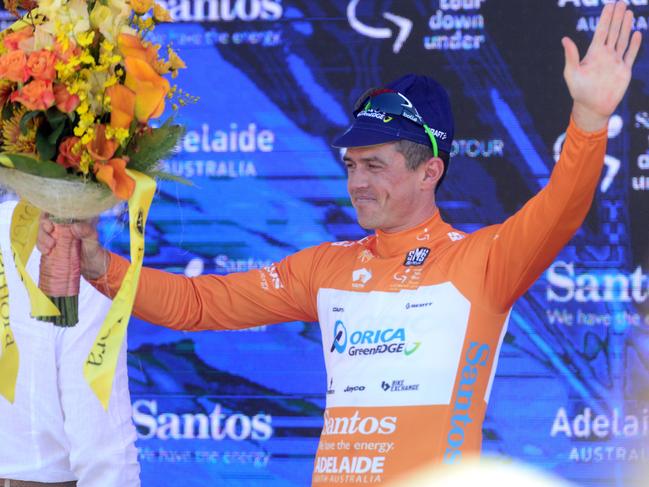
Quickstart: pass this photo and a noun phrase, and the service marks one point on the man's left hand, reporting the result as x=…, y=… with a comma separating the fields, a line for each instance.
x=598, y=82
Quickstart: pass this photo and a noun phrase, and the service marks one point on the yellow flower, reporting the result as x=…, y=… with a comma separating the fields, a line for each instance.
x=160, y=14
x=109, y=22
x=122, y=105
x=49, y=8
x=85, y=38
x=86, y=161
x=121, y=10
x=150, y=89
x=175, y=62
x=141, y=6
x=72, y=16
x=42, y=39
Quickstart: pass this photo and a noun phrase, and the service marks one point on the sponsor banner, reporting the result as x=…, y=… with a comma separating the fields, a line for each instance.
x=223, y=11
x=218, y=424
x=588, y=11
x=567, y=281
x=367, y=445
x=478, y=148
x=603, y=436
x=457, y=25
x=369, y=348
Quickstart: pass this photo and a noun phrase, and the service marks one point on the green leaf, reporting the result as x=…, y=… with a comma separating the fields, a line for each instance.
x=31, y=165
x=55, y=116
x=57, y=130
x=165, y=176
x=25, y=120
x=45, y=148
x=146, y=150
x=7, y=111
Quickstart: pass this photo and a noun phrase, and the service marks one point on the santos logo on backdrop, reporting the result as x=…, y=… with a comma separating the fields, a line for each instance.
x=218, y=425
x=223, y=10
x=565, y=284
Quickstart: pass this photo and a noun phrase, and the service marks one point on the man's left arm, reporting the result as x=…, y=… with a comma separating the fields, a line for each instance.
x=520, y=249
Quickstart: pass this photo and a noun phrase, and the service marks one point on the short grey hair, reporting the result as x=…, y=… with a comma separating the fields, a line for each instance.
x=416, y=154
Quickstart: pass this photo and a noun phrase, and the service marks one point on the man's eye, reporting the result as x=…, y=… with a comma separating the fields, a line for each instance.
x=374, y=166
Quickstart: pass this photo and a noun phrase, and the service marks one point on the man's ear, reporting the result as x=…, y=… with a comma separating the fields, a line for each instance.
x=432, y=171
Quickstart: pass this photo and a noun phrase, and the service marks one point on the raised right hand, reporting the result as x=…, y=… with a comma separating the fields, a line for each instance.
x=94, y=258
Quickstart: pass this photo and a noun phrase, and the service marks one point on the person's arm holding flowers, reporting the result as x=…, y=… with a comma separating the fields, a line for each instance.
x=79, y=86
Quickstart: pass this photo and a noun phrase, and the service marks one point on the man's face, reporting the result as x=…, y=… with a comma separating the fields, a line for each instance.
x=385, y=193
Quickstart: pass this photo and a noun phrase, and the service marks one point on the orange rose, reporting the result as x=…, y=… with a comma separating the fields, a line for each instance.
x=150, y=89
x=122, y=106
x=35, y=95
x=65, y=102
x=131, y=46
x=101, y=149
x=64, y=55
x=13, y=66
x=67, y=158
x=12, y=41
x=40, y=65
x=113, y=174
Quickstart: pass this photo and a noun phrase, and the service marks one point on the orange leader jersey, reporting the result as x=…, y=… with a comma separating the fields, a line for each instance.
x=411, y=322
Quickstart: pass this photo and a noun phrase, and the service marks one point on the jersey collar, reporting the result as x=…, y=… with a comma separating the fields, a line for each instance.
x=433, y=234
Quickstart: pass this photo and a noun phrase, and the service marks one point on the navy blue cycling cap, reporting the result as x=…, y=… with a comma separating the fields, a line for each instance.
x=401, y=110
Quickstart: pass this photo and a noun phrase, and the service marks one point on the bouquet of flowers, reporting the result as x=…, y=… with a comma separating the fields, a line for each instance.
x=79, y=87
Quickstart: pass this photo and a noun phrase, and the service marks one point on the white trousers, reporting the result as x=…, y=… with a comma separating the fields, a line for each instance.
x=57, y=430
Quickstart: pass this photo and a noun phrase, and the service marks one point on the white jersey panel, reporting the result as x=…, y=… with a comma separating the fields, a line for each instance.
x=392, y=348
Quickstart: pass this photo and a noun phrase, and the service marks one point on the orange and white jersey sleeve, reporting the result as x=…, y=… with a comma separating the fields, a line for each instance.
x=411, y=322
x=521, y=248
x=277, y=293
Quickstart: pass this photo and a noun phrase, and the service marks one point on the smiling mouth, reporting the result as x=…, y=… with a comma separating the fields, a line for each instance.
x=364, y=199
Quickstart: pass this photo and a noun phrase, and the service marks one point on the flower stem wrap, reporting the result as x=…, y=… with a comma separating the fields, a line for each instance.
x=60, y=273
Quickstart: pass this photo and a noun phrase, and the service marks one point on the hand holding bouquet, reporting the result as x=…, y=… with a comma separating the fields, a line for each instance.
x=79, y=86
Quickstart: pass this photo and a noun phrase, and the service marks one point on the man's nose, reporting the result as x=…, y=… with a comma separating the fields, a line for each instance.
x=357, y=179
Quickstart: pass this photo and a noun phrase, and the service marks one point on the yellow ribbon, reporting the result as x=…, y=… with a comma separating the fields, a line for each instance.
x=9, y=352
x=23, y=234
x=99, y=369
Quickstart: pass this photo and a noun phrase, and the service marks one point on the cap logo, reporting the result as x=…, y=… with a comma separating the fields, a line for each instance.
x=438, y=133
x=384, y=117
x=407, y=104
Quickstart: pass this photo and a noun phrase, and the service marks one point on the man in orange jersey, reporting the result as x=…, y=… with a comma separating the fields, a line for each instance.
x=413, y=316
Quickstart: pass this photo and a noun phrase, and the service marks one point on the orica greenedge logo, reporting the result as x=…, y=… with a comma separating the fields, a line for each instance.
x=371, y=342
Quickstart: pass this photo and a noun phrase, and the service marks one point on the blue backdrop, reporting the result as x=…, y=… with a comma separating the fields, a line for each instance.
x=276, y=80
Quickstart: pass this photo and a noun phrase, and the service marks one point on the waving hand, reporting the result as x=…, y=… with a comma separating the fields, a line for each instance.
x=598, y=82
